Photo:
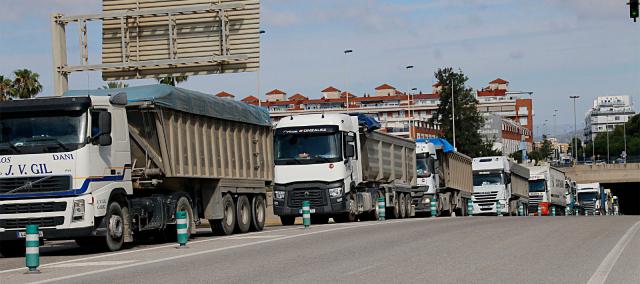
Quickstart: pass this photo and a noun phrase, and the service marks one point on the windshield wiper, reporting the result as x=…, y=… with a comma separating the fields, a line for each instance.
x=60, y=144
x=13, y=147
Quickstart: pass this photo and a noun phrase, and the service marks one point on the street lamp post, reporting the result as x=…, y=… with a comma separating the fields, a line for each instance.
x=575, y=129
x=408, y=68
x=346, y=81
x=258, y=75
x=607, y=128
x=453, y=111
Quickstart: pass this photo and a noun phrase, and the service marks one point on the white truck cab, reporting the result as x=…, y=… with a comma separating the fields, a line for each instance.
x=491, y=185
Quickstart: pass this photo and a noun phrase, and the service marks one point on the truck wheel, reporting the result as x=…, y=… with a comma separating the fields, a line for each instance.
x=115, y=227
x=243, y=214
x=407, y=202
x=287, y=220
x=403, y=206
x=258, y=213
x=225, y=225
x=394, y=212
x=12, y=248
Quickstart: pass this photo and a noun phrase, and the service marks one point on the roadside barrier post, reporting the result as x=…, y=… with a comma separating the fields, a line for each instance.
x=567, y=211
x=181, y=228
x=539, y=210
x=381, y=209
x=553, y=211
x=32, y=253
x=470, y=207
x=434, y=203
x=306, y=214
x=498, y=208
x=520, y=210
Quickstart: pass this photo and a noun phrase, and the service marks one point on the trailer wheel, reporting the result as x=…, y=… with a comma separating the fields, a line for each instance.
x=287, y=220
x=115, y=222
x=243, y=214
x=258, y=213
x=225, y=225
x=394, y=212
x=403, y=206
x=407, y=202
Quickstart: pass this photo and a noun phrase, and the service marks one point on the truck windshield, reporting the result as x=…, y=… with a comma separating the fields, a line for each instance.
x=424, y=167
x=29, y=133
x=307, y=148
x=587, y=196
x=537, y=186
x=487, y=179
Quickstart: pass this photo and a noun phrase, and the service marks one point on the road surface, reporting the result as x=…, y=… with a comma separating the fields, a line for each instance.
x=569, y=249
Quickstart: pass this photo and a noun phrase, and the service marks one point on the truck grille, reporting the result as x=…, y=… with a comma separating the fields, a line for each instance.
x=41, y=207
x=22, y=223
x=316, y=197
x=534, y=200
x=40, y=184
x=485, y=198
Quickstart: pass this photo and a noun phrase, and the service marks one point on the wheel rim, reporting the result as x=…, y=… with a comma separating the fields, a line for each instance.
x=245, y=214
x=116, y=226
x=228, y=215
x=259, y=211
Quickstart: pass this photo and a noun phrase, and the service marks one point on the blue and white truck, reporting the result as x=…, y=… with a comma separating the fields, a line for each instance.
x=105, y=167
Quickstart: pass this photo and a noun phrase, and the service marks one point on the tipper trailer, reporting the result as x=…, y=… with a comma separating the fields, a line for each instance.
x=499, y=183
x=445, y=175
x=341, y=164
x=108, y=166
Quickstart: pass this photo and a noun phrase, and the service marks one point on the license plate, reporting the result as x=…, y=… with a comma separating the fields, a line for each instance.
x=310, y=211
x=22, y=235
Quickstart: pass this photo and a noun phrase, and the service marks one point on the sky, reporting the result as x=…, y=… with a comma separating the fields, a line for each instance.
x=553, y=48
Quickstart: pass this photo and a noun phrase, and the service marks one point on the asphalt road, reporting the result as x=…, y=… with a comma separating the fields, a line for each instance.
x=597, y=249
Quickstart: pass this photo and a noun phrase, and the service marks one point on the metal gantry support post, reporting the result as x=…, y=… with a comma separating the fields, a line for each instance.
x=32, y=252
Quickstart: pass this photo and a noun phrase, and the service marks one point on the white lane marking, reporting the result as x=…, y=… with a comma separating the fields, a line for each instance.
x=601, y=274
x=93, y=263
x=360, y=270
x=144, y=249
x=219, y=249
x=256, y=237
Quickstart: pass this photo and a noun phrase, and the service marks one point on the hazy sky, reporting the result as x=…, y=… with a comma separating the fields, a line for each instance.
x=553, y=48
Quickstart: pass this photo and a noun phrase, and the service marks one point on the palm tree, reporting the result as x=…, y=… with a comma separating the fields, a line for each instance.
x=5, y=88
x=114, y=85
x=26, y=84
x=172, y=80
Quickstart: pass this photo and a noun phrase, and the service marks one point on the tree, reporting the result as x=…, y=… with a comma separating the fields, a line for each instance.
x=26, y=84
x=114, y=85
x=172, y=80
x=468, y=119
x=5, y=88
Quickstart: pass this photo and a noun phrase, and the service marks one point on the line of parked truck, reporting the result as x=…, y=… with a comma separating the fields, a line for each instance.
x=106, y=167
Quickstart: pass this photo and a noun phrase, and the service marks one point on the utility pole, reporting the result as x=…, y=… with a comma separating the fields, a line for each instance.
x=453, y=110
x=258, y=75
x=607, y=127
x=575, y=130
x=346, y=81
x=411, y=134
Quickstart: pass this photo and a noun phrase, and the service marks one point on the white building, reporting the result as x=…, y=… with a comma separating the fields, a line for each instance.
x=606, y=113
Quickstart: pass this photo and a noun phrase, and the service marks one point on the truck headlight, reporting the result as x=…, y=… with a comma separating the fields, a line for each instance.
x=335, y=192
x=426, y=200
x=78, y=210
x=278, y=194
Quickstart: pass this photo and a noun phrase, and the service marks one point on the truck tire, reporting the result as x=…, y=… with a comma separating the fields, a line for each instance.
x=407, y=202
x=403, y=206
x=287, y=220
x=183, y=204
x=227, y=224
x=243, y=214
x=258, y=213
x=115, y=222
x=12, y=248
x=394, y=212
x=319, y=219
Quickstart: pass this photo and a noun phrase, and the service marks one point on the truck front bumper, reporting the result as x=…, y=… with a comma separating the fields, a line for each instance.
x=54, y=217
x=317, y=193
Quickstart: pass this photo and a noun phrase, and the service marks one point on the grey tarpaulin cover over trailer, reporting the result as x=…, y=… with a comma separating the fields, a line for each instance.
x=187, y=101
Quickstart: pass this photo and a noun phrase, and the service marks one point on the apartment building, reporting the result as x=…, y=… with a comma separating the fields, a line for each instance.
x=607, y=112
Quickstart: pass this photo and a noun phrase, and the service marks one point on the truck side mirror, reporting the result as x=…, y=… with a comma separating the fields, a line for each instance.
x=350, y=137
x=104, y=123
x=350, y=151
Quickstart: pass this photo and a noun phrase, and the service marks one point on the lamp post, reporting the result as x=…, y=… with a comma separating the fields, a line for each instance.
x=258, y=75
x=408, y=68
x=575, y=129
x=453, y=117
x=346, y=81
x=607, y=128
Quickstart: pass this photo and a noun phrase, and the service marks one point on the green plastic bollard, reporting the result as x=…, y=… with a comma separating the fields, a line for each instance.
x=470, y=207
x=539, y=210
x=182, y=228
x=520, y=210
x=434, y=203
x=381, y=209
x=498, y=208
x=553, y=211
x=32, y=253
x=306, y=214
